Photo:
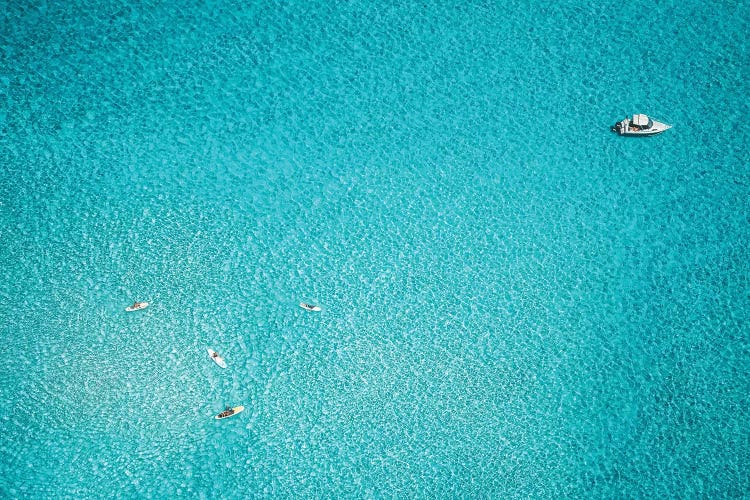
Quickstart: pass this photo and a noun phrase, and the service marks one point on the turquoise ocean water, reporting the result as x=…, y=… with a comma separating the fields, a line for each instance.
x=516, y=302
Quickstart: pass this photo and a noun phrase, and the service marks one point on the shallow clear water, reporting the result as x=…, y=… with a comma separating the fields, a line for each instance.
x=516, y=302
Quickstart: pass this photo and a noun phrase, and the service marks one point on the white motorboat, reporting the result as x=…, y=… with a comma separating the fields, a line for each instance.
x=640, y=125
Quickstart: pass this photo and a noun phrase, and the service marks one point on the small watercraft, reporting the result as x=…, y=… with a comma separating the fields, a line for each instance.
x=229, y=412
x=215, y=356
x=309, y=307
x=639, y=125
x=137, y=306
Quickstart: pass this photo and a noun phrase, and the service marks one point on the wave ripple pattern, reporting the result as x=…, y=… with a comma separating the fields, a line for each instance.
x=516, y=302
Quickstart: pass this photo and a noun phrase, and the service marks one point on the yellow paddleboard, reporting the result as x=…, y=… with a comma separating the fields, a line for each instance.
x=236, y=410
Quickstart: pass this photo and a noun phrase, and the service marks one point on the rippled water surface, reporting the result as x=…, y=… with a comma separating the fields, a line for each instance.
x=515, y=301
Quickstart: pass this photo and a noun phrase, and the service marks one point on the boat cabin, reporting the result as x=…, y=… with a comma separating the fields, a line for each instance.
x=640, y=122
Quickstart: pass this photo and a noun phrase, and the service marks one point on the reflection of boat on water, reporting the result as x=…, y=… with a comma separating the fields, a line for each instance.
x=639, y=125
x=309, y=307
x=229, y=412
x=137, y=306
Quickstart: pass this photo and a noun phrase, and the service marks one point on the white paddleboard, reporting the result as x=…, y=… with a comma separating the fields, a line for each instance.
x=137, y=306
x=215, y=356
x=309, y=307
x=237, y=409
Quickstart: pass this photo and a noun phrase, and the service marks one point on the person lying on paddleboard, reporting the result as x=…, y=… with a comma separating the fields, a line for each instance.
x=227, y=412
